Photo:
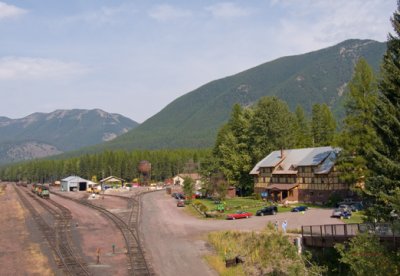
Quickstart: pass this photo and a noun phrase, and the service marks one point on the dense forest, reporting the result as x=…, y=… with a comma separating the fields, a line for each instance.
x=123, y=164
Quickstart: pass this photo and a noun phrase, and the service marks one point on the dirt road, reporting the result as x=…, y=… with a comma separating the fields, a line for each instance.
x=175, y=240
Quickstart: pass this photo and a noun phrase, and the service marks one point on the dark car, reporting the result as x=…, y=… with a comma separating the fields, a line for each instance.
x=341, y=213
x=299, y=209
x=269, y=210
x=356, y=206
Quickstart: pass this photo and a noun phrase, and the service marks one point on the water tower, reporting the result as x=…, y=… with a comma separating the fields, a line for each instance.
x=144, y=168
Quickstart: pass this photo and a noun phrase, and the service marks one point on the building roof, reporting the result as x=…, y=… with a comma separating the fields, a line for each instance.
x=324, y=157
x=112, y=179
x=76, y=179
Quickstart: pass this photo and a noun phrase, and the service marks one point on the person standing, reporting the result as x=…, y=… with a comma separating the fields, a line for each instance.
x=284, y=225
x=276, y=225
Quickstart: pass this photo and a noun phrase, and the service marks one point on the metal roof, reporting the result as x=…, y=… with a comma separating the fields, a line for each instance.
x=76, y=179
x=293, y=158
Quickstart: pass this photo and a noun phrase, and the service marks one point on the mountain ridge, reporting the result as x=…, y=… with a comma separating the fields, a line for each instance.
x=193, y=119
x=58, y=131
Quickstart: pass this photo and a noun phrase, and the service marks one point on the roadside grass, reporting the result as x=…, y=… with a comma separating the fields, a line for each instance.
x=218, y=264
x=255, y=250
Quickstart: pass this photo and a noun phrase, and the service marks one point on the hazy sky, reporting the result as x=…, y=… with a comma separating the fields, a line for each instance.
x=135, y=57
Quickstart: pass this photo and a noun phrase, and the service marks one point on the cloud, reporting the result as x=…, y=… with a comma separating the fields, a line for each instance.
x=104, y=15
x=24, y=68
x=228, y=10
x=168, y=12
x=315, y=24
x=9, y=11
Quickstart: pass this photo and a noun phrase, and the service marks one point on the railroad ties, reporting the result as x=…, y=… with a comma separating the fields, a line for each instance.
x=137, y=262
x=58, y=236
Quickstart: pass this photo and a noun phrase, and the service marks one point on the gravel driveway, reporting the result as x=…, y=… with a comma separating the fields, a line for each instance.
x=175, y=241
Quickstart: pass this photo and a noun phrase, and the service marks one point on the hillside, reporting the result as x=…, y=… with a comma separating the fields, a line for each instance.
x=45, y=134
x=193, y=119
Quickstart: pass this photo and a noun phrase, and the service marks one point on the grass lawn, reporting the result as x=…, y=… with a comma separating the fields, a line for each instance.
x=356, y=217
x=246, y=204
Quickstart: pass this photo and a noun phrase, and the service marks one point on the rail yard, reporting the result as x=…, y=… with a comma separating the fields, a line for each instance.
x=73, y=233
x=118, y=233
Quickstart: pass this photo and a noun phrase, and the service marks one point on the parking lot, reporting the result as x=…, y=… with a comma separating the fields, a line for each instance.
x=176, y=241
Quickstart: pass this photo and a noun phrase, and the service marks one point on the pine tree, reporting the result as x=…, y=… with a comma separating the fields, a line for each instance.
x=358, y=136
x=303, y=131
x=384, y=158
x=323, y=125
x=272, y=128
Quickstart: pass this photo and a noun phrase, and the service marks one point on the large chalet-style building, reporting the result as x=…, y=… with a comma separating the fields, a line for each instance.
x=300, y=175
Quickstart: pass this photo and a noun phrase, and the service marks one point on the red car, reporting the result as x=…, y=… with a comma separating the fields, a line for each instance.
x=180, y=203
x=239, y=215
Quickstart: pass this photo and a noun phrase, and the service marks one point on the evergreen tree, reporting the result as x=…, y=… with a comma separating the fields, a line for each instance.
x=232, y=149
x=323, y=125
x=358, y=136
x=303, y=131
x=272, y=128
x=384, y=158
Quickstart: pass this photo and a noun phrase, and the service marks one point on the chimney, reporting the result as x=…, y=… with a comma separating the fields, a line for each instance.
x=282, y=153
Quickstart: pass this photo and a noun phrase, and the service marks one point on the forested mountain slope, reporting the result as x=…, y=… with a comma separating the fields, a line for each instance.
x=193, y=119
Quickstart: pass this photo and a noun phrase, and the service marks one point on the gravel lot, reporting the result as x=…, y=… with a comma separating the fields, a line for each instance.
x=175, y=240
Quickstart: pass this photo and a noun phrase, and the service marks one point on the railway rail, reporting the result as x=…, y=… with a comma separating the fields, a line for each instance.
x=57, y=236
x=137, y=262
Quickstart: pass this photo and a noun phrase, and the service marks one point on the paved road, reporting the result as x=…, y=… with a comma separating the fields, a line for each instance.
x=175, y=241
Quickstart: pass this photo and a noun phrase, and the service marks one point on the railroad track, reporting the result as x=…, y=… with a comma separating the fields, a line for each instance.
x=134, y=206
x=58, y=236
x=137, y=262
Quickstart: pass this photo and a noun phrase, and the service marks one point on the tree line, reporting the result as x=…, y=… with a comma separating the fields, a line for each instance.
x=253, y=132
x=164, y=164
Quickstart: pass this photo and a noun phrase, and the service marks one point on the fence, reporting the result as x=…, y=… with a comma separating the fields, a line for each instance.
x=328, y=235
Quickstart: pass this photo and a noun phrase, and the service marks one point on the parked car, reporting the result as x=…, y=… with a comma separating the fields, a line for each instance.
x=341, y=213
x=180, y=203
x=268, y=210
x=299, y=209
x=344, y=207
x=357, y=206
x=179, y=196
x=239, y=215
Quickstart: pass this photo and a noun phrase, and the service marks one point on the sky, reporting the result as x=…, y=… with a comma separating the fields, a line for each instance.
x=135, y=57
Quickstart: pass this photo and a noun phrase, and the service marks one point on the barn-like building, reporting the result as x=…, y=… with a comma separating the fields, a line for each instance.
x=300, y=175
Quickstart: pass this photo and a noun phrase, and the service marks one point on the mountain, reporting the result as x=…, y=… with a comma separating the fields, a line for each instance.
x=194, y=119
x=44, y=134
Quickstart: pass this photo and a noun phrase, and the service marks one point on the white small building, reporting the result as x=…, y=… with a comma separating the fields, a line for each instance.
x=178, y=179
x=75, y=183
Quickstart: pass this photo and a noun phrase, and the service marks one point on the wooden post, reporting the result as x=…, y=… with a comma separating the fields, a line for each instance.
x=98, y=255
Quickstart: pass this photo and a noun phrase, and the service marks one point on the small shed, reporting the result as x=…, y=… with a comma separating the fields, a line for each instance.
x=112, y=181
x=75, y=183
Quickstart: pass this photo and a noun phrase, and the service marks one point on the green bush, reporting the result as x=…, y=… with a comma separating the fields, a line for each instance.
x=334, y=199
x=203, y=208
